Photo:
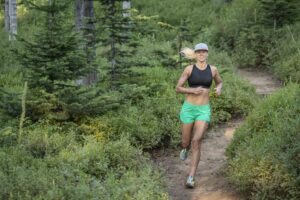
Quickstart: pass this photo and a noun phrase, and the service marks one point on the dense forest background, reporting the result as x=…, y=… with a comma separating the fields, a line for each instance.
x=87, y=90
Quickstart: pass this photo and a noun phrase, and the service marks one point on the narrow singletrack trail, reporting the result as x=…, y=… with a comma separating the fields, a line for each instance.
x=211, y=183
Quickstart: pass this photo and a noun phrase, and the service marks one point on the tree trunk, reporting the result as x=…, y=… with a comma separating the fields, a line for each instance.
x=11, y=18
x=126, y=7
x=113, y=46
x=84, y=14
x=79, y=9
x=7, y=26
x=90, y=36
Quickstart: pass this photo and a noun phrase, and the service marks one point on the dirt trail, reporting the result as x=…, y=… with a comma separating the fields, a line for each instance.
x=211, y=184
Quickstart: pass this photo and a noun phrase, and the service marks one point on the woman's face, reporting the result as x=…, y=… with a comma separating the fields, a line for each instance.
x=201, y=55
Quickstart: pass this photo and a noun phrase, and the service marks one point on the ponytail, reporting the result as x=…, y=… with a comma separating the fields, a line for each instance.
x=188, y=53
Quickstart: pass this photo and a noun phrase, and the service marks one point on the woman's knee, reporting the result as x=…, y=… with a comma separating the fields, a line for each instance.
x=185, y=144
x=196, y=143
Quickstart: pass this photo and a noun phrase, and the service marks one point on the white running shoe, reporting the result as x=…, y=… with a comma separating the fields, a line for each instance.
x=190, y=182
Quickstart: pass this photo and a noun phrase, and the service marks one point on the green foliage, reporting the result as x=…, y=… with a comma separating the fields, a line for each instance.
x=277, y=13
x=234, y=17
x=50, y=164
x=237, y=98
x=150, y=116
x=54, y=57
x=47, y=139
x=54, y=60
x=149, y=128
x=117, y=34
x=101, y=156
x=264, y=153
x=286, y=55
x=10, y=83
x=199, y=13
x=252, y=47
x=23, y=177
x=152, y=54
x=246, y=30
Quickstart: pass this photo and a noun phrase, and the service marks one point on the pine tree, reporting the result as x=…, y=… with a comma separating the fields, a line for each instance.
x=53, y=61
x=117, y=33
x=279, y=12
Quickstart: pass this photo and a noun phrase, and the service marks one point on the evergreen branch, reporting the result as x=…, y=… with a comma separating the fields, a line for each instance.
x=44, y=8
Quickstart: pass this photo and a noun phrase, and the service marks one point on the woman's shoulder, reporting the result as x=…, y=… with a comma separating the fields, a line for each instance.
x=189, y=68
x=213, y=69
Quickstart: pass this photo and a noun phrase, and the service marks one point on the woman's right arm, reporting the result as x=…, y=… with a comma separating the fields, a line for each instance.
x=181, y=89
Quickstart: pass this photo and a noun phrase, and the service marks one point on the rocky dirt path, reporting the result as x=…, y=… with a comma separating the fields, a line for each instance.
x=211, y=183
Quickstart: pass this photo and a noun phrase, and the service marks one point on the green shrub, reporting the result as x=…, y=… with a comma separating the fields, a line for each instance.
x=252, y=47
x=289, y=68
x=286, y=57
x=121, y=168
x=151, y=123
x=47, y=139
x=96, y=170
x=136, y=185
x=264, y=153
x=237, y=98
x=23, y=177
x=8, y=136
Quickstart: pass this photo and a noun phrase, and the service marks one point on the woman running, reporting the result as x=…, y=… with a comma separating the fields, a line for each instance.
x=195, y=112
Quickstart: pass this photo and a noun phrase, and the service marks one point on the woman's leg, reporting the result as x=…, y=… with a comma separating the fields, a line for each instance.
x=199, y=129
x=186, y=130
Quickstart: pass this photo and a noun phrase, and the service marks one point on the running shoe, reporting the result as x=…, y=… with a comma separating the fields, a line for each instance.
x=190, y=182
x=183, y=154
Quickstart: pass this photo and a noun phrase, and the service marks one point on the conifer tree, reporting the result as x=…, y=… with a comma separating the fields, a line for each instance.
x=118, y=35
x=53, y=61
x=54, y=58
x=279, y=12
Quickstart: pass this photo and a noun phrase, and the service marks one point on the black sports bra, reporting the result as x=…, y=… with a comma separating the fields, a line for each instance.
x=200, y=77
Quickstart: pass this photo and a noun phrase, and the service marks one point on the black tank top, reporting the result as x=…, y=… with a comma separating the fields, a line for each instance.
x=200, y=77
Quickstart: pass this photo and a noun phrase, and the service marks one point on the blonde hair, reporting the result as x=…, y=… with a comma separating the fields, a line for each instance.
x=188, y=53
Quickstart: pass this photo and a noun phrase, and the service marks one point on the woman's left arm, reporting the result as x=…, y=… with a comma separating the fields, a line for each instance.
x=218, y=81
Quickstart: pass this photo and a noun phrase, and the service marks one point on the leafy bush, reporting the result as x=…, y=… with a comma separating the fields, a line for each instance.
x=48, y=139
x=149, y=124
x=286, y=57
x=23, y=177
x=252, y=47
x=289, y=68
x=237, y=98
x=264, y=153
x=96, y=170
x=121, y=168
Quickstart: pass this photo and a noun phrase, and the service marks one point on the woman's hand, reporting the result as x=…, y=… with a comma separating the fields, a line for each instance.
x=218, y=91
x=199, y=90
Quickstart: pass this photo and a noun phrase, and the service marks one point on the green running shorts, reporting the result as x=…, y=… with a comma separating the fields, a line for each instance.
x=190, y=113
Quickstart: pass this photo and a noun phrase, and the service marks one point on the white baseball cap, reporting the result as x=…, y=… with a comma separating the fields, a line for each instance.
x=201, y=46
